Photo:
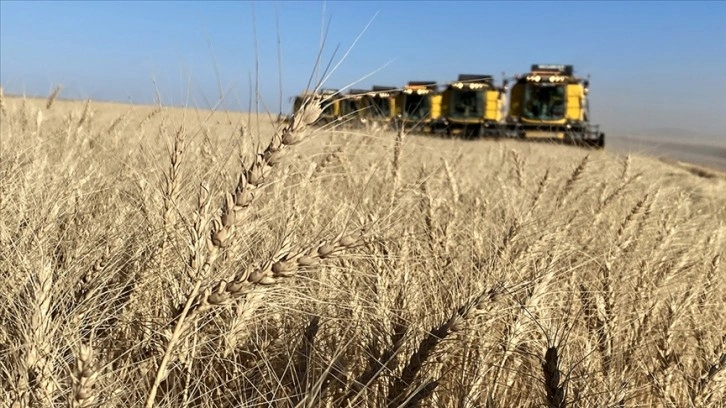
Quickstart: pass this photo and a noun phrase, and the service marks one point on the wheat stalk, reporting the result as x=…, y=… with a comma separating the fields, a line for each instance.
x=52, y=97
x=572, y=180
x=551, y=370
x=3, y=104
x=251, y=179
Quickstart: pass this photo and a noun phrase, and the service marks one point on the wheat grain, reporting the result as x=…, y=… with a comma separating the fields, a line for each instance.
x=52, y=97
x=84, y=378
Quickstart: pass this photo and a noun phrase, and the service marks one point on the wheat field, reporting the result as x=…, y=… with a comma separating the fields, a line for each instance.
x=169, y=257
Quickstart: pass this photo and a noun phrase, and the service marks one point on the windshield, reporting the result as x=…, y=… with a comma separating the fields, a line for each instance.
x=416, y=107
x=544, y=102
x=353, y=106
x=467, y=103
x=328, y=107
x=381, y=107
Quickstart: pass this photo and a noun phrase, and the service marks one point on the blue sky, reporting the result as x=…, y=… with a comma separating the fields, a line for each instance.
x=652, y=64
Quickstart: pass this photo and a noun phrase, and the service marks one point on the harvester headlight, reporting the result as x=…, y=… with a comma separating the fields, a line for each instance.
x=557, y=78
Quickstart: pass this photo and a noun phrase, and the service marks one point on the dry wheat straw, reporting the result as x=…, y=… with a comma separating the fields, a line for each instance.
x=397, y=151
x=402, y=390
x=3, y=104
x=116, y=124
x=627, y=263
x=251, y=179
x=572, y=180
x=157, y=110
x=551, y=370
x=37, y=382
x=519, y=163
x=706, y=385
x=52, y=97
x=38, y=121
x=84, y=378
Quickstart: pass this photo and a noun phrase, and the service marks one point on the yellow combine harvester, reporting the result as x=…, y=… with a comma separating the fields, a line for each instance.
x=550, y=102
x=419, y=106
x=472, y=106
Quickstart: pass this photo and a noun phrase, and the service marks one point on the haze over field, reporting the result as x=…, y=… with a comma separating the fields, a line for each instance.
x=653, y=66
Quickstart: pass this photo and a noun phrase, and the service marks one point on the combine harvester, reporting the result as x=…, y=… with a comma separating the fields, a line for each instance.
x=551, y=103
x=419, y=106
x=361, y=107
x=472, y=107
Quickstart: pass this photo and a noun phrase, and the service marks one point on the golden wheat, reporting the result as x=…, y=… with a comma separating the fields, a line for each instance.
x=176, y=263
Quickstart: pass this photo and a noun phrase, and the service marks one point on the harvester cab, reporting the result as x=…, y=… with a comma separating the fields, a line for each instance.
x=419, y=105
x=331, y=104
x=354, y=106
x=550, y=102
x=382, y=103
x=472, y=106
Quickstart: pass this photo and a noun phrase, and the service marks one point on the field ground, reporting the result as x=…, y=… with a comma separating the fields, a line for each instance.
x=148, y=259
x=688, y=152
